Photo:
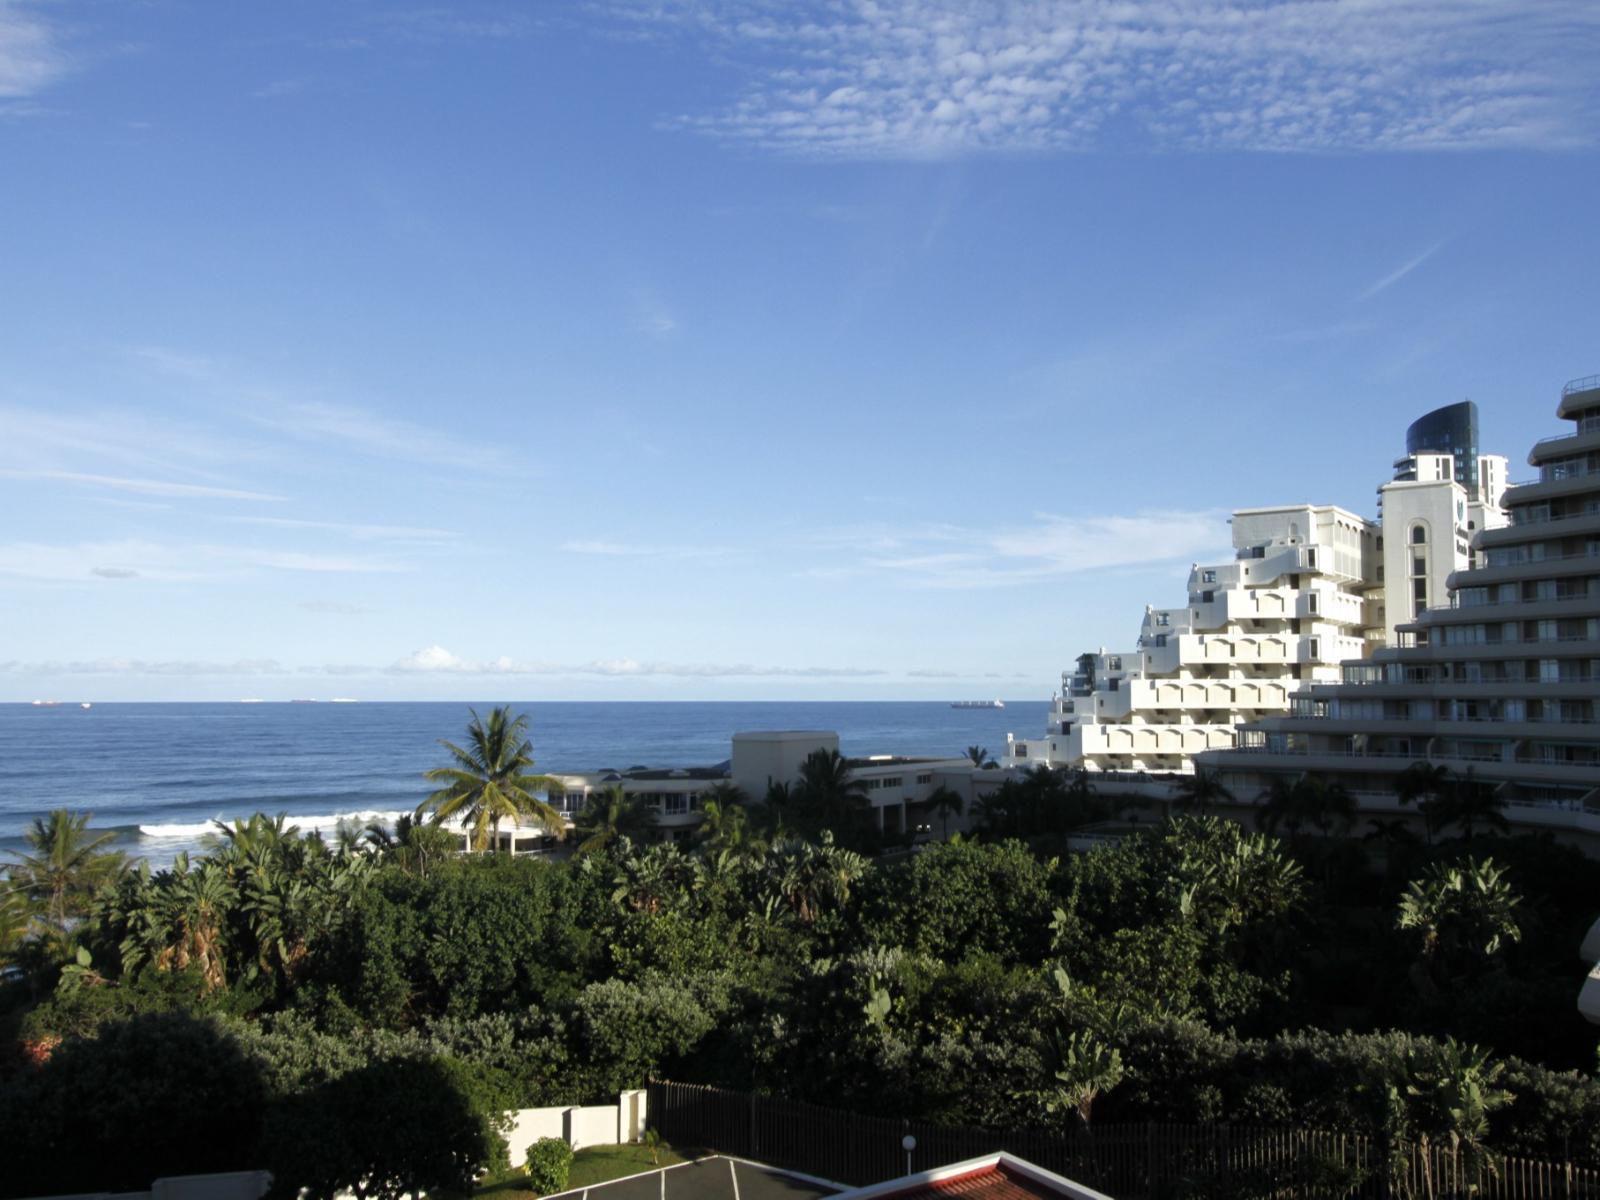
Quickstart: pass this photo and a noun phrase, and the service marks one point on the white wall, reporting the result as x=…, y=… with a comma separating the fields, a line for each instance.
x=593, y=1125
x=762, y=757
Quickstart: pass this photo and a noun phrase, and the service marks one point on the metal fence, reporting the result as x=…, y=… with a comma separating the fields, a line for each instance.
x=1146, y=1161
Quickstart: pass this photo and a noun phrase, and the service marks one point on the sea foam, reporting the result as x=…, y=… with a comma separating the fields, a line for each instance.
x=190, y=831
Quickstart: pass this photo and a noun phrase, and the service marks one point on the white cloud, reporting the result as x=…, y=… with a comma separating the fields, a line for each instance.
x=143, y=487
x=637, y=550
x=404, y=533
x=437, y=659
x=138, y=666
x=31, y=57
x=383, y=436
x=1400, y=272
x=176, y=362
x=925, y=78
x=122, y=439
x=144, y=560
x=432, y=658
x=944, y=556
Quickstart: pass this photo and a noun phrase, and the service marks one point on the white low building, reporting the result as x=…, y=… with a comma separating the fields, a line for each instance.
x=897, y=788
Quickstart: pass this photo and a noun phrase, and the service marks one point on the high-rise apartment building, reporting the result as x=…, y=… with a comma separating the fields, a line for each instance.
x=1500, y=676
x=1309, y=586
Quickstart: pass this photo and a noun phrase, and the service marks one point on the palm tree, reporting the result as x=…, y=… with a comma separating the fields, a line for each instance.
x=1201, y=791
x=1280, y=806
x=413, y=845
x=610, y=816
x=724, y=820
x=1327, y=805
x=1451, y=1089
x=1466, y=911
x=829, y=794
x=981, y=758
x=1310, y=800
x=1082, y=1067
x=1466, y=801
x=944, y=802
x=660, y=878
x=14, y=919
x=491, y=781
x=1423, y=784
x=808, y=876
x=67, y=866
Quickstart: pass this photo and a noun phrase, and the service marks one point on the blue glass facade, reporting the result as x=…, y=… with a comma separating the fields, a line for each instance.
x=1451, y=430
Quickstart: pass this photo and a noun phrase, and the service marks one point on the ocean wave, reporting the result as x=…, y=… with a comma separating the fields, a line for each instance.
x=314, y=822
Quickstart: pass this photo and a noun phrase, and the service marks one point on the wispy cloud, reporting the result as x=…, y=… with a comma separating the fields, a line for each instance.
x=337, y=608
x=438, y=23
x=280, y=88
x=1400, y=272
x=97, y=438
x=143, y=487
x=180, y=363
x=134, y=559
x=383, y=436
x=399, y=533
x=437, y=660
x=925, y=78
x=31, y=55
x=1051, y=546
x=638, y=550
x=141, y=666
x=652, y=315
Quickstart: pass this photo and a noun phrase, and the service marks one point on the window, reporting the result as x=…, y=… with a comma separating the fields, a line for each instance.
x=1314, y=647
x=1114, y=665
x=1419, y=536
x=1312, y=603
x=925, y=777
x=1162, y=619
x=1311, y=558
x=1208, y=576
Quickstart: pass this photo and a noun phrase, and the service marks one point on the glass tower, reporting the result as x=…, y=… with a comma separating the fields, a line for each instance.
x=1451, y=430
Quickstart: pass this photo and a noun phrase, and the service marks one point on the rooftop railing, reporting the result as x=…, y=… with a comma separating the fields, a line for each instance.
x=1587, y=384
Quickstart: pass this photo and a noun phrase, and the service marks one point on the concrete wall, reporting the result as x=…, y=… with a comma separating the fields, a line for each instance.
x=594, y=1125
x=763, y=757
x=234, y=1185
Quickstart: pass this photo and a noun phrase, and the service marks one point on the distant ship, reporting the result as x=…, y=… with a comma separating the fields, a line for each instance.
x=46, y=703
x=978, y=704
x=86, y=704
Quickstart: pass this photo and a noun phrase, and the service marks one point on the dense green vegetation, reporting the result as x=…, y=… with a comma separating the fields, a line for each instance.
x=278, y=984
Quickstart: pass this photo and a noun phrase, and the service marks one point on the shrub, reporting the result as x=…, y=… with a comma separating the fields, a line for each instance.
x=549, y=1161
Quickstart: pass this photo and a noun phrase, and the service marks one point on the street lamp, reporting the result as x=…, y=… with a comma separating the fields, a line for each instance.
x=908, y=1144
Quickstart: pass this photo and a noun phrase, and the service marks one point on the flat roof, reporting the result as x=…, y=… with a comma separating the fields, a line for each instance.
x=784, y=735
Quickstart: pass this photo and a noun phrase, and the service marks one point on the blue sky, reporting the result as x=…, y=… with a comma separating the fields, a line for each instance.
x=738, y=350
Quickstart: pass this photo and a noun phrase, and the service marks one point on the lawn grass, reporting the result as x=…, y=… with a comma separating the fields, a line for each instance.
x=591, y=1165
x=596, y=1164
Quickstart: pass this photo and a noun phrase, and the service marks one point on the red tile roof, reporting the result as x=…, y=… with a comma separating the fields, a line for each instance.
x=983, y=1183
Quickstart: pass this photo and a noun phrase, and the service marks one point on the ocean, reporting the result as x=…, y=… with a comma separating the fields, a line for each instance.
x=157, y=775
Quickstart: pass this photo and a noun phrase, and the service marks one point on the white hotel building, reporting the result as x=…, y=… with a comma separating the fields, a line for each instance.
x=897, y=787
x=1308, y=588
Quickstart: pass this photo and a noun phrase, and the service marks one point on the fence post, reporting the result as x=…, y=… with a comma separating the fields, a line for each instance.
x=1149, y=1158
